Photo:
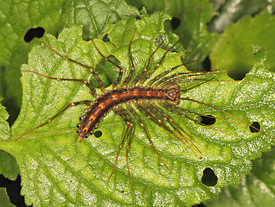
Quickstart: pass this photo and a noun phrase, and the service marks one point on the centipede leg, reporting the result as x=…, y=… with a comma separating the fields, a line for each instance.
x=148, y=137
x=126, y=81
x=85, y=66
x=93, y=92
x=184, y=116
x=172, y=123
x=137, y=79
x=155, y=79
x=159, y=122
x=157, y=65
x=123, y=113
x=107, y=59
x=86, y=102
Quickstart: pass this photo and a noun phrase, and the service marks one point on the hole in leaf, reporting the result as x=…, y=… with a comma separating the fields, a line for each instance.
x=106, y=38
x=199, y=205
x=206, y=64
x=209, y=178
x=98, y=134
x=13, y=189
x=253, y=126
x=236, y=75
x=206, y=119
x=106, y=71
x=175, y=23
x=34, y=32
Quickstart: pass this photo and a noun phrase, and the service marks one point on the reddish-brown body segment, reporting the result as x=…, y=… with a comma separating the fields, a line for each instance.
x=106, y=102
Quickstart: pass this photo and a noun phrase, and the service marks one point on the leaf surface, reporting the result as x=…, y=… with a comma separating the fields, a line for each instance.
x=8, y=165
x=15, y=21
x=190, y=19
x=233, y=50
x=57, y=170
x=17, y=18
x=4, y=199
x=255, y=189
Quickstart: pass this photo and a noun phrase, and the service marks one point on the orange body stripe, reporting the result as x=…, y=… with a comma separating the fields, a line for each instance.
x=135, y=92
x=119, y=97
x=159, y=94
x=102, y=105
x=92, y=117
x=149, y=93
x=85, y=130
x=114, y=97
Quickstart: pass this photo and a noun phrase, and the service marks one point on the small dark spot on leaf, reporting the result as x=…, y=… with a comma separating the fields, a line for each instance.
x=106, y=38
x=206, y=119
x=199, y=205
x=175, y=23
x=34, y=32
x=237, y=75
x=254, y=53
x=209, y=178
x=206, y=64
x=98, y=134
x=255, y=127
x=122, y=191
x=199, y=9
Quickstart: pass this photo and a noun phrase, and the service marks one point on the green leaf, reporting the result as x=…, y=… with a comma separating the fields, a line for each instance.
x=8, y=165
x=233, y=50
x=231, y=11
x=18, y=17
x=193, y=16
x=4, y=125
x=255, y=189
x=57, y=170
x=96, y=14
x=4, y=199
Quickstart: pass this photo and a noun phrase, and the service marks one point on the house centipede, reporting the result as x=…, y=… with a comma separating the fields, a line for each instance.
x=161, y=91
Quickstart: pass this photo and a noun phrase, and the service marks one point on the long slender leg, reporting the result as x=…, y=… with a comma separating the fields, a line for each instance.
x=166, y=106
x=144, y=129
x=171, y=122
x=166, y=72
x=120, y=68
x=177, y=78
x=123, y=113
x=87, y=102
x=237, y=118
x=157, y=65
x=192, y=112
x=93, y=92
x=137, y=79
x=174, y=79
x=159, y=122
x=173, y=83
x=126, y=81
x=85, y=66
